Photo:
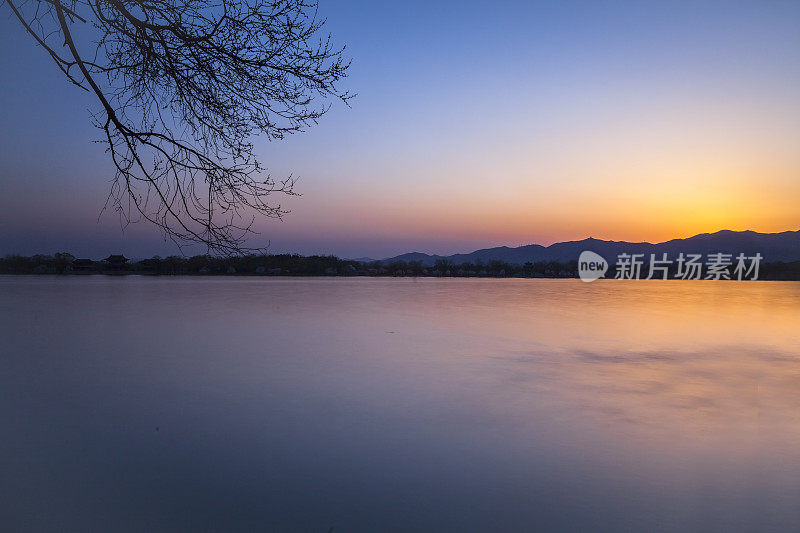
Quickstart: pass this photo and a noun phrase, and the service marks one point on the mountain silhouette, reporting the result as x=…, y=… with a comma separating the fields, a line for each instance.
x=783, y=246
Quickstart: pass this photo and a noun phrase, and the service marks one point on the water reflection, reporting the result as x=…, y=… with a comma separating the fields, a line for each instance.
x=395, y=405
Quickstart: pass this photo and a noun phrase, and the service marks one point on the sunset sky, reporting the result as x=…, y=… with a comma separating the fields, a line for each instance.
x=476, y=124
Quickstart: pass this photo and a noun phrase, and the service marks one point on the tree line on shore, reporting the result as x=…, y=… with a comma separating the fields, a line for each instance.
x=275, y=264
x=315, y=265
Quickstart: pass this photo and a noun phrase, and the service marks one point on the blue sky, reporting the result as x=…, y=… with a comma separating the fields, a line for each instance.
x=476, y=124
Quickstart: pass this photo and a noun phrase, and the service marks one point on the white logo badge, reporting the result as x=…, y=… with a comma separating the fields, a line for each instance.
x=591, y=266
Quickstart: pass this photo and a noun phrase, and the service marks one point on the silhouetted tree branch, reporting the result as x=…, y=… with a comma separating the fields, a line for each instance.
x=184, y=86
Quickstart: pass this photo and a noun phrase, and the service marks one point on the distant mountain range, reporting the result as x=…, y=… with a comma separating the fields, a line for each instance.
x=784, y=246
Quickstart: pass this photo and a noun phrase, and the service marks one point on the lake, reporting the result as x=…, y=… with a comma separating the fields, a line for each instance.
x=361, y=404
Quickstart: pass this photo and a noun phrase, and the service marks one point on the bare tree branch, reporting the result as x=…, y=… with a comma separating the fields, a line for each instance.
x=185, y=86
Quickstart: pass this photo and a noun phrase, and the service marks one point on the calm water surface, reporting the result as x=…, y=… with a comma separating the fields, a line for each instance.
x=253, y=404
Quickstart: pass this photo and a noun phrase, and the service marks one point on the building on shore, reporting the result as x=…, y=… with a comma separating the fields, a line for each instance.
x=116, y=263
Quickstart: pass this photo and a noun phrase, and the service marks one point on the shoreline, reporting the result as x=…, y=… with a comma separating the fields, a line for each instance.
x=285, y=265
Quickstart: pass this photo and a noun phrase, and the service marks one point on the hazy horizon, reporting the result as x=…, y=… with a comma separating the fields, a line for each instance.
x=188, y=251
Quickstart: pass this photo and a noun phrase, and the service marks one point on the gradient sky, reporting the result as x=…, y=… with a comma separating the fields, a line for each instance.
x=477, y=124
